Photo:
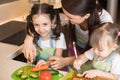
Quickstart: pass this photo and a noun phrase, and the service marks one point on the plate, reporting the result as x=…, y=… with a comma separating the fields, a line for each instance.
x=26, y=70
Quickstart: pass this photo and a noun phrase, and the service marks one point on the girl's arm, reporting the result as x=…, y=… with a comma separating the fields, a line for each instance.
x=79, y=61
x=57, y=61
x=110, y=75
x=58, y=52
x=83, y=58
x=60, y=45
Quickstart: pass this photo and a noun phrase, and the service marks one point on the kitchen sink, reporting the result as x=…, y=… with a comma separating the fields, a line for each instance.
x=19, y=56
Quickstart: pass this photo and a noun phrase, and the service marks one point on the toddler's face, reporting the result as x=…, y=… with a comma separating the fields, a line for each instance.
x=42, y=25
x=104, y=51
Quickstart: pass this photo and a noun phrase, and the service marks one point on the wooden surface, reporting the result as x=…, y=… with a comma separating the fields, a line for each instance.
x=96, y=78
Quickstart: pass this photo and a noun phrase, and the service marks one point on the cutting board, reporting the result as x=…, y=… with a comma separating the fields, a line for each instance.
x=16, y=77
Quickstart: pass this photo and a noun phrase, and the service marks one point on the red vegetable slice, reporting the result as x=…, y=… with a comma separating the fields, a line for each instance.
x=46, y=75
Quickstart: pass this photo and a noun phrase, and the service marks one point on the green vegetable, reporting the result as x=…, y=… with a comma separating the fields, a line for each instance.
x=54, y=72
x=34, y=75
x=69, y=75
x=27, y=79
x=79, y=75
x=24, y=76
x=19, y=73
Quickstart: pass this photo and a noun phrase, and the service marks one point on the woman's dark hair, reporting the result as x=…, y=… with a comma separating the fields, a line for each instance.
x=81, y=8
x=43, y=9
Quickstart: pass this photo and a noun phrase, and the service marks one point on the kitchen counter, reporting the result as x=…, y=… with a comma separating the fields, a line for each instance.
x=7, y=65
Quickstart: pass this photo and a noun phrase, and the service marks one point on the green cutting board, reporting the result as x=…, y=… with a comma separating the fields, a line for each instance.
x=16, y=77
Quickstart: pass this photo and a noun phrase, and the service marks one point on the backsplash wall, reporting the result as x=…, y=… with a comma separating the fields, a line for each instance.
x=13, y=9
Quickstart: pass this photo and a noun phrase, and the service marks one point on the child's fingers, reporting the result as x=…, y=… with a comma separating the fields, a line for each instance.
x=76, y=64
x=87, y=74
x=40, y=63
x=84, y=73
x=55, y=67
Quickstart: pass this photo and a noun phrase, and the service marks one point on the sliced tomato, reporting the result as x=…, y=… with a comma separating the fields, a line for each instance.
x=45, y=75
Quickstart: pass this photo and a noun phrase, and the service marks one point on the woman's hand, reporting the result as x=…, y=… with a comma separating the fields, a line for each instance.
x=29, y=50
x=93, y=73
x=57, y=62
x=40, y=63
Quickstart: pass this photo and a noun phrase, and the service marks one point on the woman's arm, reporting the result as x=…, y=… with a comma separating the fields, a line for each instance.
x=29, y=49
x=58, y=52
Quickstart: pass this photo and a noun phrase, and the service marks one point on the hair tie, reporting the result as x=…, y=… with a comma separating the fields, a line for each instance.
x=118, y=33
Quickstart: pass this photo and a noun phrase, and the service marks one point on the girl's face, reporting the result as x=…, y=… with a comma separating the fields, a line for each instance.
x=74, y=19
x=103, y=51
x=42, y=25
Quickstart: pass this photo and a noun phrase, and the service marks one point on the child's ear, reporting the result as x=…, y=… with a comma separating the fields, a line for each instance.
x=114, y=46
x=53, y=23
x=53, y=26
x=87, y=16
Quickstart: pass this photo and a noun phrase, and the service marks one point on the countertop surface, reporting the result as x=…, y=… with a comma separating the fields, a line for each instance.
x=7, y=65
x=7, y=52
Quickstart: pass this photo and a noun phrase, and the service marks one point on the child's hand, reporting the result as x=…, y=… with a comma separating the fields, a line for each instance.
x=40, y=63
x=77, y=64
x=57, y=62
x=92, y=73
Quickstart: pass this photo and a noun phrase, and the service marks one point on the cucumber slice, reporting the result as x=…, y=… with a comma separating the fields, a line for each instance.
x=24, y=76
x=27, y=79
x=79, y=75
x=34, y=75
x=19, y=72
